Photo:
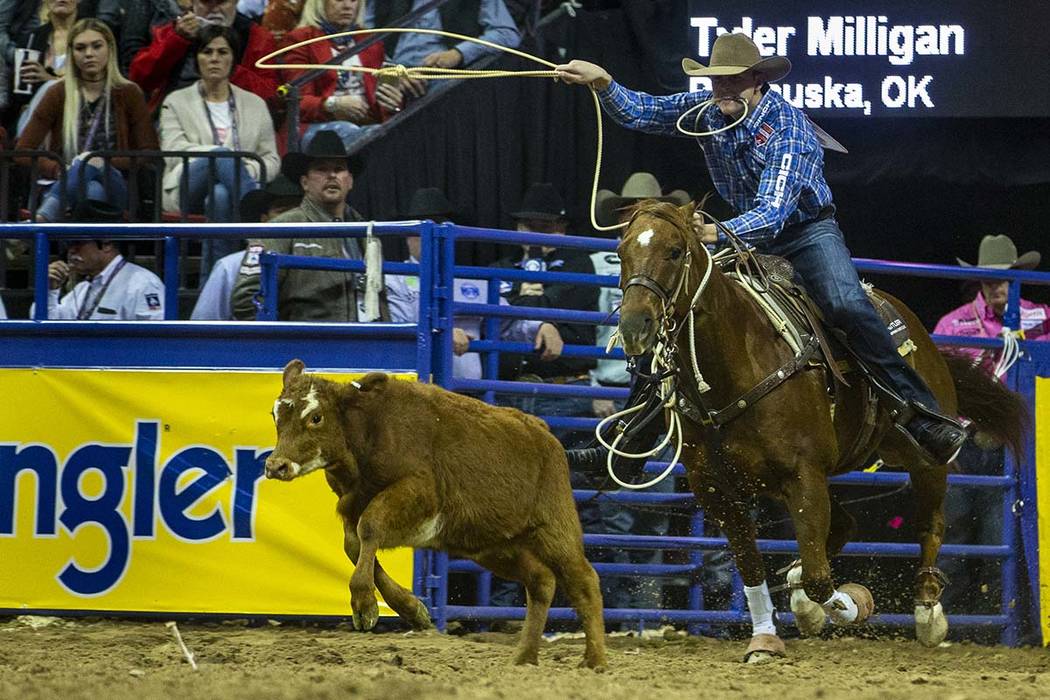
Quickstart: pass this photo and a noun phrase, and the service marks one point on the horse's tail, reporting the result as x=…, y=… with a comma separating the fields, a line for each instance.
x=1000, y=415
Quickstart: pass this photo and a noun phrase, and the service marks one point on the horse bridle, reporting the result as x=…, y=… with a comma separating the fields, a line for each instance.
x=666, y=296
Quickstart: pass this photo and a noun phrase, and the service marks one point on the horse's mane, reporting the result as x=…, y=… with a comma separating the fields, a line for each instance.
x=661, y=210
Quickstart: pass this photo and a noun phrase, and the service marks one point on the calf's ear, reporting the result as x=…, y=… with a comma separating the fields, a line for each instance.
x=292, y=370
x=371, y=381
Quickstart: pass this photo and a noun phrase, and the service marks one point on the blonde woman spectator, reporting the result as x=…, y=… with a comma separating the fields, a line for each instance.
x=340, y=101
x=93, y=108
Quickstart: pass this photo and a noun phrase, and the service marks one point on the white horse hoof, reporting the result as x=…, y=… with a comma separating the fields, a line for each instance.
x=931, y=625
x=809, y=616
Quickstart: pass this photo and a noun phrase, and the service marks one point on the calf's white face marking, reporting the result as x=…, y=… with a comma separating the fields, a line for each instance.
x=311, y=402
x=277, y=406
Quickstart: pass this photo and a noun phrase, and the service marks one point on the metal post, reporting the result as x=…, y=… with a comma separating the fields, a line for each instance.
x=40, y=283
x=171, y=278
x=492, y=332
x=267, y=288
x=425, y=317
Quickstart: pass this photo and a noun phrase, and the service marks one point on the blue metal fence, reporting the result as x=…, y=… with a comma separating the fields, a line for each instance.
x=426, y=347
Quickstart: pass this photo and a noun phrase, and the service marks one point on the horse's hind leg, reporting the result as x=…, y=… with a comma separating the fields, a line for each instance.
x=809, y=616
x=811, y=509
x=739, y=529
x=930, y=483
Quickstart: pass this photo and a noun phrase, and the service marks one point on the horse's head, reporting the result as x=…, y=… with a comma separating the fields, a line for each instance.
x=310, y=426
x=655, y=254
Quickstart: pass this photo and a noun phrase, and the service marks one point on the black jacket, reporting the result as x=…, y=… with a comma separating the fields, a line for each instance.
x=555, y=296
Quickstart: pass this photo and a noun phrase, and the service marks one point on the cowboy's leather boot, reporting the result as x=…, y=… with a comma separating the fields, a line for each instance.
x=943, y=439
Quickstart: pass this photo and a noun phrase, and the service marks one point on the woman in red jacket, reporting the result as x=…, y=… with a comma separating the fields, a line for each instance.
x=343, y=101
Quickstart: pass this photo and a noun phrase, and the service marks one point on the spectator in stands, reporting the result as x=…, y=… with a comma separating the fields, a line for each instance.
x=20, y=20
x=403, y=293
x=140, y=17
x=485, y=19
x=252, y=9
x=542, y=211
x=167, y=64
x=282, y=16
x=213, y=115
x=982, y=317
x=345, y=102
x=258, y=206
x=326, y=173
x=111, y=288
x=975, y=515
x=93, y=108
x=50, y=40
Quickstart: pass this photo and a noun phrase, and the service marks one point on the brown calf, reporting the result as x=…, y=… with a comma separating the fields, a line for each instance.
x=415, y=465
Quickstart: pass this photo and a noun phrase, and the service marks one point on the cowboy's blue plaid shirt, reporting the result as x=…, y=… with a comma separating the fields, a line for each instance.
x=770, y=168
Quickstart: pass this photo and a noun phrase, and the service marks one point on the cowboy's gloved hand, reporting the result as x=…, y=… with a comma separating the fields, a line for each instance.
x=548, y=342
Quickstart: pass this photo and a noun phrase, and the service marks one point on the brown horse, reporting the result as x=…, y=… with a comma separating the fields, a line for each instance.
x=787, y=443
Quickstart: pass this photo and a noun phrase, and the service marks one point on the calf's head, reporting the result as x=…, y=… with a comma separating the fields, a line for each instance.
x=310, y=426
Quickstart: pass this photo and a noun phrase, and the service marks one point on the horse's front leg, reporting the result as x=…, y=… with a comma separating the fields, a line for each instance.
x=810, y=506
x=740, y=530
x=930, y=483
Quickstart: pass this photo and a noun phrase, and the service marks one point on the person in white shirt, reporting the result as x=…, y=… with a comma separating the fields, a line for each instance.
x=112, y=289
x=257, y=206
x=402, y=294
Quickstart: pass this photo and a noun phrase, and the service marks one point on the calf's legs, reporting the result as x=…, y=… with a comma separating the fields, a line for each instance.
x=408, y=607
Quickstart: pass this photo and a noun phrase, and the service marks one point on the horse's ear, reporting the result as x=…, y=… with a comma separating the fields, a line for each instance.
x=687, y=209
x=292, y=370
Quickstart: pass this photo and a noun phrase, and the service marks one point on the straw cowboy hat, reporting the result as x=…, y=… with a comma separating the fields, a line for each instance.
x=732, y=54
x=638, y=187
x=1000, y=253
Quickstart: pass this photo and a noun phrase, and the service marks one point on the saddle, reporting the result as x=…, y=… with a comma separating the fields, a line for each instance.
x=815, y=344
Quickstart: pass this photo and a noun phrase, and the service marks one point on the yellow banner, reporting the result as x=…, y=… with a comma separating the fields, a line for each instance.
x=1042, y=481
x=143, y=491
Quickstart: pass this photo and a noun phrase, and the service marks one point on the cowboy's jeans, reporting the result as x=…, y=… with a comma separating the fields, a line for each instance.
x=822, y=262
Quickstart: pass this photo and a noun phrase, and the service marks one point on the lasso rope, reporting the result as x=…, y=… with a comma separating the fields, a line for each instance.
x=437, y=73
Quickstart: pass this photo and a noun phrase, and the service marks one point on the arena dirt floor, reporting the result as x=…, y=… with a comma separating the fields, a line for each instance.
x=116, y=659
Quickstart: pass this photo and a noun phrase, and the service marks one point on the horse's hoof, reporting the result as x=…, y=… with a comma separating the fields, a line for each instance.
x=764, y=648
x=862, y=598
x=931, y=625
x=809, y=616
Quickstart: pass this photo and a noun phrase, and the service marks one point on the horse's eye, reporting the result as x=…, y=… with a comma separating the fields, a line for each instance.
x=675, y=253
x=316, y=418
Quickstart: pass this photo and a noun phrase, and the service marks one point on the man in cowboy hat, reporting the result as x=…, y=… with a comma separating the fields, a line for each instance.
x=110, y=287
x=326, y=174
x=982, y=317
x=257, y=206
x=770, y=168
x=402, y=292
x=974, y=515
x=543, y=211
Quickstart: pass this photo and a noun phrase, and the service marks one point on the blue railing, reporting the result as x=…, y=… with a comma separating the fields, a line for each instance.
x=433, y=355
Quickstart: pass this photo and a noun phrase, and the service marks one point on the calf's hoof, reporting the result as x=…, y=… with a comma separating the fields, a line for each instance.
x=527, y=657
x=809, y=616
x=764, y=648
x=595, y=661
x=931, y=625
x=862, y=598
x=420, y=620
x=366, y=613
